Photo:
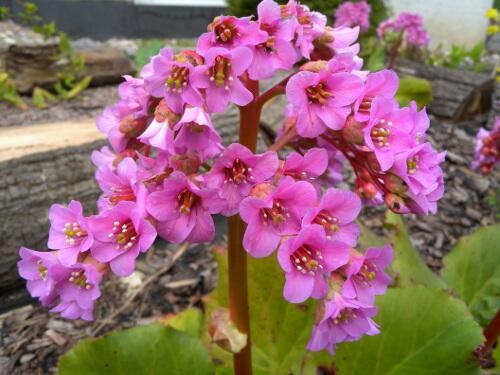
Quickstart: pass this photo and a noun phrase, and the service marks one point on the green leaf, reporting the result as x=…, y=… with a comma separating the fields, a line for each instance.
x=280, y=330
x=408, y=267
x=78, y=87
x=151, y=349
x=413, y=88
x=376, y=60
x=368, y=238
x=472, y=270
x=423, y=332
x=189, y=321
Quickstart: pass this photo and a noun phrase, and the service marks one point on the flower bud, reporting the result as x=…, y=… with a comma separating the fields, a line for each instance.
x=395, y=184
x=189, y=56
x=131, y=126
x=353, y=132
x=261, y=191
x=163, y=112
x=314, y=66
x=127, y=153
x=188, y=163
x=396, y=204
x=366, y=189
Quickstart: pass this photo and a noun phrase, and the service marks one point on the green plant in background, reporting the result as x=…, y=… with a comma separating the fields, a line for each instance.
x=71, y=80
x=9, y=93
x=147, y=48
x=460, y=57
x=4, y=13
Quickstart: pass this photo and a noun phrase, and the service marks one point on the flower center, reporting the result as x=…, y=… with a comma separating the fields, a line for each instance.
x=238, y=173
x=268, y=46
x=178, y=79
x=121, y=193
x=366, y=104
x=220, y=72
x=275, y=215
x=380, y=133
x=73, y=232
x=366, y=274
x=328, y=222
x=187, y=200
x=412, y=164
x=344, y=316
x=78, y=278
x=318, y=94
x=224, y=31
x=132, y=126
x=307, y=260
x=124, y=234
x=41, y=269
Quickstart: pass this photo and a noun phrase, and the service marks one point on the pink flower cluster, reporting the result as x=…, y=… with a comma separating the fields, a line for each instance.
x=353, y=13
x=167, y=172
x=487, y=154
x=409, y=24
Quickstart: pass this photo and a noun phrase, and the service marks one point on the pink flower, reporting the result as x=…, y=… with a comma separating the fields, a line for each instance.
x=194, y=132
x=380, y=84
x=126, y=119
x=78, y=292
x=277, y=52
x=352, y=13
x=334, y=173
x=310, y=25
x=42, y=271
x=411, y=24
x=220, y=77
x=69, y=231
x=322, y=100
x=171, y=78
x=365, y=274
x=121, y=234
x=118, y=184
x=306, y=167
x=159, y=132
x=230, y=32
x=184, y=210
x=387, y=131
x=306, y=259
x=237, y=171
x=344, y=320
x=271, y=214
x=336, y=213
x=487, y=151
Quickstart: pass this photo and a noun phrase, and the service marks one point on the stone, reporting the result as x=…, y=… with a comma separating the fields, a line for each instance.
x=26, y=358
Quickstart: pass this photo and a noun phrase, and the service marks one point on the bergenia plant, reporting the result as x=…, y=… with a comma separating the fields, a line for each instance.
x=405, y=32
x=487, y=154
x=167, y=173
x=353, y=13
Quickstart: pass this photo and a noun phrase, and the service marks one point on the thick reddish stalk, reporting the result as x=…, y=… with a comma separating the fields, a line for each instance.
x=237, y=257
x=491, y=333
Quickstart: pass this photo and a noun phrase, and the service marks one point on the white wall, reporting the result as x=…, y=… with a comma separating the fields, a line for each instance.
x=449, y=21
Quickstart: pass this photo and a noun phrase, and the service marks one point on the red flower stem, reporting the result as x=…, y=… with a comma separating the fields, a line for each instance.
x=276, y=90
x=395, y=50
x=237, y=257
x=491, y=333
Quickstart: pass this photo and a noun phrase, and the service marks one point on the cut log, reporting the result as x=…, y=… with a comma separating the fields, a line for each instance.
x=456, y=94
x=31, y=60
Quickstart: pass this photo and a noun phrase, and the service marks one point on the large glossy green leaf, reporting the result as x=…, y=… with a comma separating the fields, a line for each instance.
x=149, y=350
x=408, y=267
x=472, y=269
x=189, y=321
x=280, y=330
x=413, y=88
x=424, y=331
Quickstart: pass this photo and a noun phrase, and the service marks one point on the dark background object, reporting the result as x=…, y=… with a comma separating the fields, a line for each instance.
x=110, y=18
